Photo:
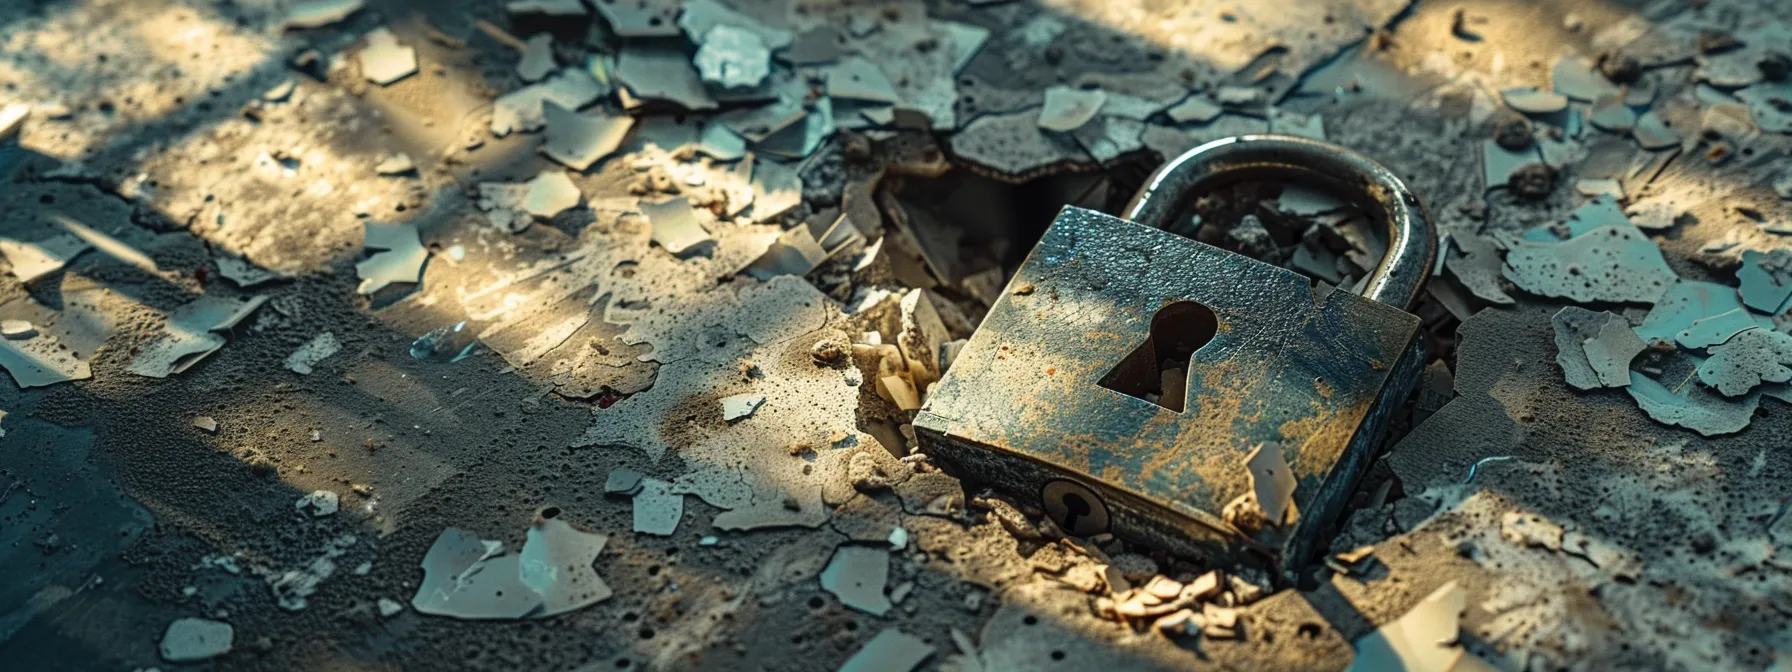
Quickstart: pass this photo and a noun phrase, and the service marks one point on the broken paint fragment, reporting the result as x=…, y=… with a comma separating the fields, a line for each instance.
x=856, y=78
x=1529, y=100
x=623, y=482
x=675, y=225
x=802, y=508
x=1574, y=326
x=1610, y=114
x=890, y=651
x=12, y=119
x=1272, y=482
x=190, y=335
x=41, y=361
x=400, y=261
x=732, y=58
x=521, y=110
x=699, y=17
x=1576, y=78
x=1751, y=357
x=468, y=578
x=1684, y=303
x=579, y=140
x=384, y=60
x=720, y=487
x=720, y=143
x=1767, y=104
x=657, y=510
x=1611, y=350
x=190, y=640
x=557, y=563
x=1195, y=109
x=36, y=259
x=662, y=73
x=549, y=194
x=206, y=423
x=1603, y=189
x=1498, y=164
x=1652, y=133
x=1425, y=639
x=857, y=575
x=245, y=274
x=1615, y=263
x=1067, y=109
x=1709, y=331
x=397, y=164
x=319, y=13
x=538, y=58
x=1691, y=406
x=777, y=188
x=316, y=350
x=640, y=18
x=739, y=406
x=1766, y=280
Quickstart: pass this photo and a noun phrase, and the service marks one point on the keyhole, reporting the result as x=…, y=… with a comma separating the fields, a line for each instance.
x=1157, y=370
x=1074, y=507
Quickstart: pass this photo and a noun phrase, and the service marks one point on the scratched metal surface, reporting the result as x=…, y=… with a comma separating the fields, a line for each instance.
x=1288, y=365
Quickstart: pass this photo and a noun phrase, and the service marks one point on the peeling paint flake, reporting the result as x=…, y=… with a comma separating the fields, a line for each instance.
x=1685, y=302
x=675, y=226
x=1574, y=326
x=557, y=563
x=1611, y=350
x=319, y=13
x=40, y=361
x=662, y=73
x=657, y=510
x=1709, y=331
x=1425, y=639
x=1749, y=358
x=890, y=651
x=384, y=60
x=36, y=259
x=857, y=575
x=1067, y=109
x=1766, y=280
x=466, y=577
x=521, y=110
x=732, y=58
x=735, y=407
x=1615, y=263
x=579, y=140
x=399, y=261
x=1691, y=406
x=1273, y=482
x=191, y=335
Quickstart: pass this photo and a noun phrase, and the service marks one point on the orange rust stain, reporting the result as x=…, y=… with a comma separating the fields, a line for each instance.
x=1051, y=372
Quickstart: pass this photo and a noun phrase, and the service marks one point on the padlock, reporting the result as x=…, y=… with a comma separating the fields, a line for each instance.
x=1051, y=401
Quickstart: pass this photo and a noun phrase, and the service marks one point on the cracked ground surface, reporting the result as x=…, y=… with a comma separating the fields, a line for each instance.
x=317, y=334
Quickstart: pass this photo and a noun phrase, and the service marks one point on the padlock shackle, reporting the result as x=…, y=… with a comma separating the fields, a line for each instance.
x=1412, y=242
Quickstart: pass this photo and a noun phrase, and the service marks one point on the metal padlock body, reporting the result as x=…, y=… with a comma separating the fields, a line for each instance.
x=1317, y=372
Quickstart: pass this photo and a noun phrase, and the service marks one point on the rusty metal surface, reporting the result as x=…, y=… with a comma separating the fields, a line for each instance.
x=1412, y=242
x=1289, y=365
